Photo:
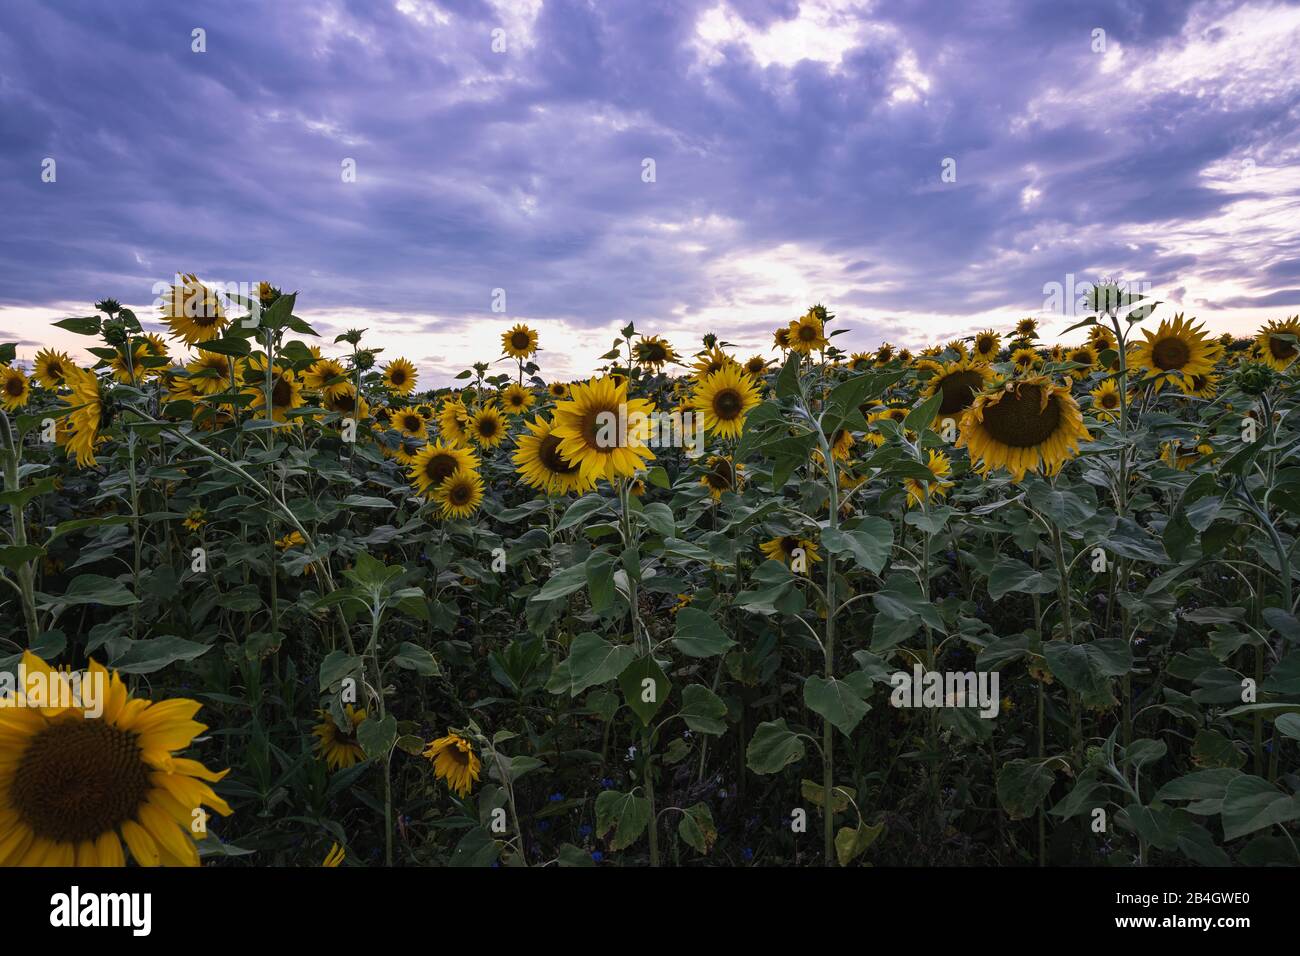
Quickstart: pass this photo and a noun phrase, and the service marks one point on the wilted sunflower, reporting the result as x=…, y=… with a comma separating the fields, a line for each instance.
x=74, y=788
x=409, y=422
x=540, y=464
x=327, y=376
x=1029, y=424
x=756, y=366
x=919, y=490
x=520, y=342
x=460, y=494
x=1182, y=455
x=209, y=373
x=808, y=334
x=15, y=391
x=516, y=399
x=602, y=431
x=781, y=338
x=1106, y=401
x=959, y=382
x=654, y=352
x=193, y=312
x=785, y=549
x=87, y=418
x=400, y=376
x=454, y=761
x=722, y=474
x=557, y=390
x=1278, y=352
x=453, y=418
x=1176, y=349
x=724, y=399
x=986, y=346
x=50, y=368
x=487, y=427
x=438, y=462
x=336, y=745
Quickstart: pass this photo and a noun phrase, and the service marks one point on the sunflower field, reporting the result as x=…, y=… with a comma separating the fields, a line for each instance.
x=1002, y=602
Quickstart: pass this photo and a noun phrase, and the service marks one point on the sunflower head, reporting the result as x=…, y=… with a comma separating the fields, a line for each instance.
x=799, y=553
x=516, y=399
x=519, y=342
x=1029, y=424
x=807, y=334
x=654, y=352
x=1175, y=350
x=193, y=312
x=487, y=426
x=460, y=494
x=986, y=345
x=438, y=462
x=400, y=376
x=1279, y=343
x=455, y=762
x=721, y=474
x=51, y=368
x=921, y=490
x=540, y=463
x=959, y=382
x=338, y=746
x=15, y=390
x=1106, y=401
x=724, y=398
x=602, y=431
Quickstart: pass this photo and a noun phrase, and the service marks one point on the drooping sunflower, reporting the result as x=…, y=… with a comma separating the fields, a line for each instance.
x=410, y=423
x=487, y=427
x=960, y=382
x=1200, y=386
x=919, y=490
x=453, y=419
x=1030, y=424
x=1176, y=349
x=460, y=494
x=808, y=334
x=454, y=761
x=50, y=368
x=789, y=549
x=1106, y=401
x=884, y=354
x=986, y=345
x=602, y=431
x=756, y=366
x=15, y=390
x=1182, y=455
x=1277, y=351
x=75, y=787
x=400, y=376
x=781, y=338
x=516, y=399
x=209, y=373
x=722, y=474
x=195, y=519
x=193, y=312
x=436, y=463
x=724, y=399
x=87, y=418
x=654, y=352
x=519, y=342
x=540, y=464
x=1101, y=338
x=327, y=376
x=338, y=746
x=347, y=403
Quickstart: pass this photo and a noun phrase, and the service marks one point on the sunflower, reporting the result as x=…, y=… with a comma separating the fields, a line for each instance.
x=193, y=312
x=722, y=474
x=400, y=376
x=784, y=549
x=861, y=361
x=452, y=421
x=1101, y=338
x=1030, y=424
x=841, y=442
x=286, y=389
x=15, y=391
x=538, y=460
x=293, y=539
x=1086, y=356
x=209, y=373
x=756, y=366
x=920, y=490
x=410, y=423
x=557, y=391
x=454, y=761
x=807, y=334
x=1106, y=401
x=335, y=857
x=1182, y=455
x=1278, y=352
x=654, y=352
x=884, y=354
x=50, y=368
x=585, y=422
x=383, y=416
x=986, y=346
x=516, y=399
x=133, y=372
x=781, y=338
x=1200, y=386
x=957, y=347
x=195, y=519
x=87, y=418
x=437, y=462
x=327, y=376
x=520, y=342
x=75, y=787
x=714, y=360
x=339, y=748
x=344, y=400
x=724, y=399
x=460, y=494
x=959, y=382
x=487, y=427
x=1025, y=360
x=637, y=488
x=1026, y=329
x=1176, y=349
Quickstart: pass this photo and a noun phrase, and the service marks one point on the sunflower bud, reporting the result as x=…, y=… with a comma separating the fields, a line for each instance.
x=109, y=306
x=365, y=360
x=1255, y=378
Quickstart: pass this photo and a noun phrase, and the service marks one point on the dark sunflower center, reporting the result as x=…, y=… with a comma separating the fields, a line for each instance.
x=596, y=431
x=727, y=404
x=515, y=400
x=789, y=544
x=487, y=427
x=653, y=353
x=397, y=376
x=14, y=386
x=721, y=476
x=440, y=466
x=1170, y=353
x=807, y=333
x=984, y=344
x=1019, y=420
x=460, y=494
x=78, y=779
x=519, y=341
x=1280, y=349
x=958, y=390
x=548, y=453
x=412, y=422
x=1083, y=358
x=1110, y=400
x=281, y=393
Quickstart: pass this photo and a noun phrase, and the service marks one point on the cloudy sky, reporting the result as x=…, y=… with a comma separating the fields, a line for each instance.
x=798, y=153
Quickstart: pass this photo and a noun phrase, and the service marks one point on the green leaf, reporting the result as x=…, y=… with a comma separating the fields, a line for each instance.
x=412, y=657
x=773, y=747
x=376, y=736
x=699, y=635
x=645, y=687
x=92, y=589
x=582, y=509
x=625, y=814
x=870, y=543
x=1009, y=575
x=593, y=661
x=1251, y=803
x=836, y=701
x=841, y=797
x=703, y=710
x=15, y=556
x=233, y=345
x=600, y=581
x=696, y=828
x=852, y=842
x=146, y=657
x=1022, y=785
